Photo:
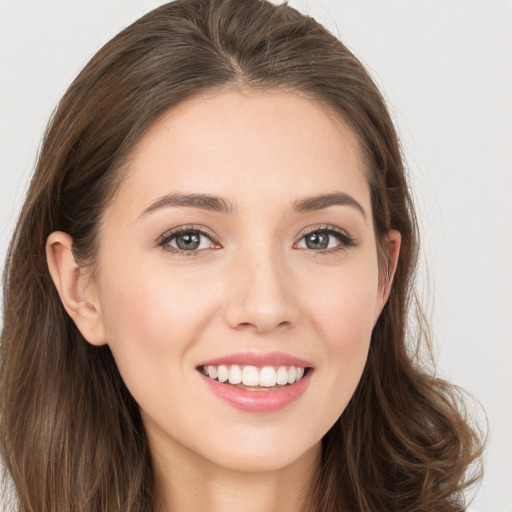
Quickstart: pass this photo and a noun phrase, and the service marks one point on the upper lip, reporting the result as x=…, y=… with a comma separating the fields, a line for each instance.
x=258, y=359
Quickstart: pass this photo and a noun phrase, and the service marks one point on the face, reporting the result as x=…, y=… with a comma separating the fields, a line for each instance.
x=240, y=245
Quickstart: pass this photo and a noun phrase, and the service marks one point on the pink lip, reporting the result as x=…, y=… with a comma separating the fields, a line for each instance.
x=258, y=401
x=258, y=359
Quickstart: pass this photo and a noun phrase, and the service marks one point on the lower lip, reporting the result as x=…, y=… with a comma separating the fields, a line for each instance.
x=259, y=401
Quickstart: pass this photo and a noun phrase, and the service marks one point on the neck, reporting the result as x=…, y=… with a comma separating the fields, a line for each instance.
x=188, y=483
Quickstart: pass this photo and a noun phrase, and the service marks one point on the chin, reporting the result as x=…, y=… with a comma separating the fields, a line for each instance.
x=265, y=456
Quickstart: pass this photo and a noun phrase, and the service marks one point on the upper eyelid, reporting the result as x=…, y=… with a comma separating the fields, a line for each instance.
x=322, y=227
x=183, y=229
x=346, y=240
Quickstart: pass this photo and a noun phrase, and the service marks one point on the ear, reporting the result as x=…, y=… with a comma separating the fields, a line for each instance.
x=77, y=293
x=391, y=251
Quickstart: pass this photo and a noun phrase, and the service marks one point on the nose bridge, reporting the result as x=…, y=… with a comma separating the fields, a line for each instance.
x=261, y=297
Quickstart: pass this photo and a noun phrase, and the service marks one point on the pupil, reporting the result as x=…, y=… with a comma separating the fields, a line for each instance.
x=317, y=241
x=188, y=241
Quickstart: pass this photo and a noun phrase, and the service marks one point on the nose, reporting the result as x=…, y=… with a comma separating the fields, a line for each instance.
x=261, y=297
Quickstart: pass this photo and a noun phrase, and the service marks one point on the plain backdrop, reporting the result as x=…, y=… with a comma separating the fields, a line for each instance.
x=445, y=67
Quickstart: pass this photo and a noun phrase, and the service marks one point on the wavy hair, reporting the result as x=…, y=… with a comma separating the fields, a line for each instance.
x=71, y=435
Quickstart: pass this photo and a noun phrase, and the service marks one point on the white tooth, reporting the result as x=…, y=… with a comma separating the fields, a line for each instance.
x=222, y=373
x=268, y=377
x=235, y=375
x=212, y=372
x=300, y=373
x=205, y=370
x=292, y=374
x=282, y=376
x=250, y=376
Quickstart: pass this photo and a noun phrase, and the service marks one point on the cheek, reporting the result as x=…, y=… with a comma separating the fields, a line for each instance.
x=343, y=304
x=151, y=306
x=343, y=313
x=151, y=320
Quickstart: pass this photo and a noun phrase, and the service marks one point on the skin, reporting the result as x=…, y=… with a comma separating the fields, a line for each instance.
x=254, y=285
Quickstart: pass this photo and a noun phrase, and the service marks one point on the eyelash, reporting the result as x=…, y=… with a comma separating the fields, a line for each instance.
x=167, y=237
x=345, y=240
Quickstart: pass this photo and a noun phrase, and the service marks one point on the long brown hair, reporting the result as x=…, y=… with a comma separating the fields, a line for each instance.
x=71, y=435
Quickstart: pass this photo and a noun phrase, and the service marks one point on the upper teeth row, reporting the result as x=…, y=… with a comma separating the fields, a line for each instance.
x=266, y=376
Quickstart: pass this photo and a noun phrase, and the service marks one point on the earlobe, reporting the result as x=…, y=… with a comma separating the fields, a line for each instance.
x=392, y=249
x=74, y=288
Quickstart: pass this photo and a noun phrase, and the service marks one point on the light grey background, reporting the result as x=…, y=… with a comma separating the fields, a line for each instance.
x=445, y=67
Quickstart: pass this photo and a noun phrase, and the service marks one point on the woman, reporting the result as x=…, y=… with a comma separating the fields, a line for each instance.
x=207, y=291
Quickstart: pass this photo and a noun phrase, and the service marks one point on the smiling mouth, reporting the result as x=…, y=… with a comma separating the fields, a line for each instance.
x=254, y=378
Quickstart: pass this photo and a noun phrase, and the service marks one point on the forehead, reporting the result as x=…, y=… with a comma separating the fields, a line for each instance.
x=248, y=146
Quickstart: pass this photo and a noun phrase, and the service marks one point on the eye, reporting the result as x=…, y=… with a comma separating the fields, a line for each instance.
x=325, y=239
x=189, y=240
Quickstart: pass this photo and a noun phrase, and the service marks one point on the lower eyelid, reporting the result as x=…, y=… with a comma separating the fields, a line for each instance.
x=343, y=237
x=164, y=239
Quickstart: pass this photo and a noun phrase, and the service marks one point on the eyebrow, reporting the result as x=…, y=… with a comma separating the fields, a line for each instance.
x=222, y=205
x=202, y=201
x=320, y=202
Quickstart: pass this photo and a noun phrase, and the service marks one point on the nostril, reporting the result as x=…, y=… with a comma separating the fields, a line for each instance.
x=263, y=327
